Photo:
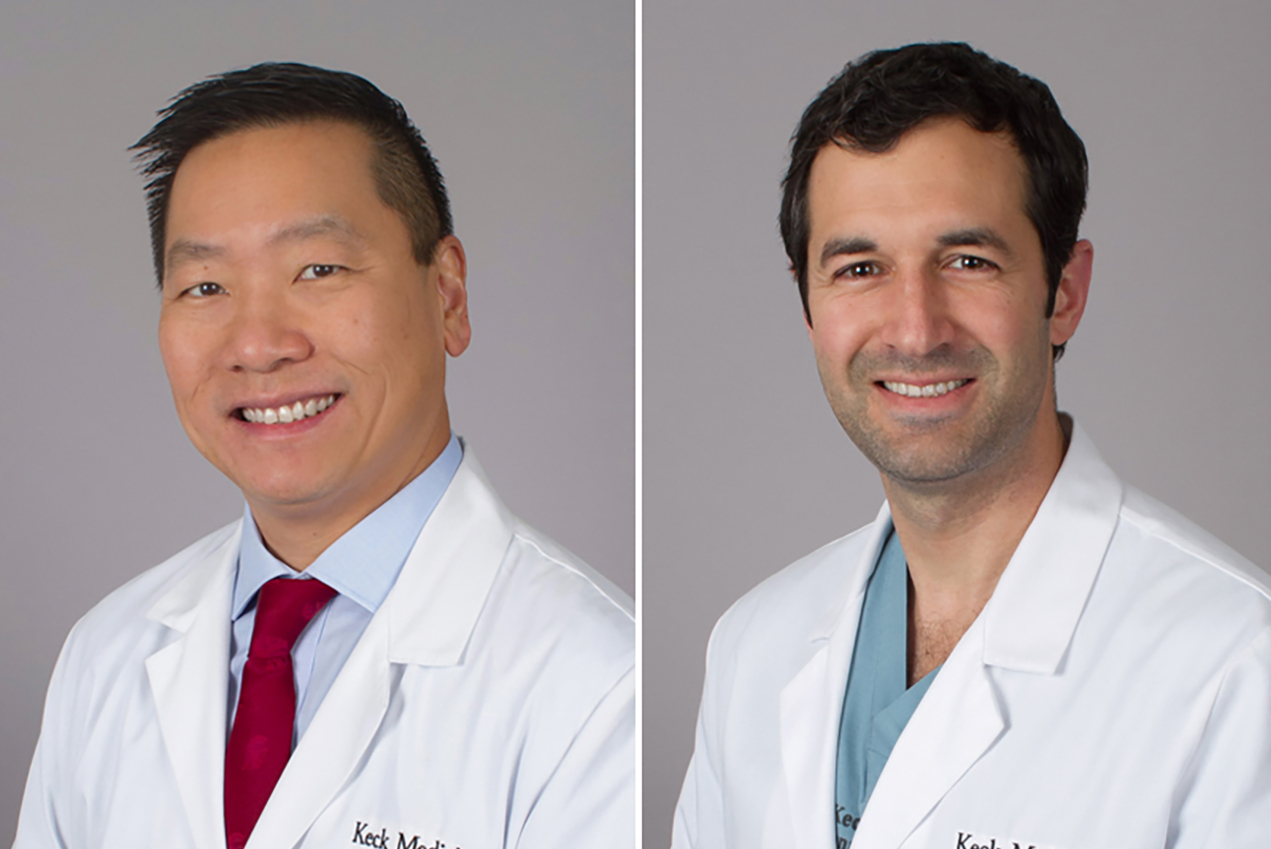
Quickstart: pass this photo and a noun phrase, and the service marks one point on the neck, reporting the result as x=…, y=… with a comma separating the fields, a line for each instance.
x=298, y=533
x=959, y=536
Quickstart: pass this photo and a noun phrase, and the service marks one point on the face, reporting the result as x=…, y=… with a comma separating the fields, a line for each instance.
x=304, y=344
x=927, y=298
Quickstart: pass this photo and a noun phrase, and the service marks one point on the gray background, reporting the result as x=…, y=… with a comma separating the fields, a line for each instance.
x=745, y=468
x=529, y=108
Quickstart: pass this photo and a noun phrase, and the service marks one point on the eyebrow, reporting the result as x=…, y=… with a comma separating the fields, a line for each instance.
x=973, y=237
x=323, y=225
x=188, y=250
x=846, y=247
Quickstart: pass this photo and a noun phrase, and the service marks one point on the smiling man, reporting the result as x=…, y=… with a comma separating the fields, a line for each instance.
x=378, y=652
x=1021, y=650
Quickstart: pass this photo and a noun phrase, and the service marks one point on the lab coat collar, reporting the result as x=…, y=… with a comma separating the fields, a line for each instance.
x=846, y=605
x=1030, y=620
x=442, y=589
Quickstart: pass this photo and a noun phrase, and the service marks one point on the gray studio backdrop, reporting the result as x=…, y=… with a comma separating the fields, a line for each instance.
x=529, y=108
x=745, y=468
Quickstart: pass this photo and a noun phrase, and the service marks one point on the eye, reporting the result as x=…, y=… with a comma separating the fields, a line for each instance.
x=318, y=271
x=858, y=270
x=204, y=290
x=968, y=262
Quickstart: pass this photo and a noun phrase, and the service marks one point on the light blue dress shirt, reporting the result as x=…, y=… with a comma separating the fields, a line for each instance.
x=361, y=566
x=878, y=703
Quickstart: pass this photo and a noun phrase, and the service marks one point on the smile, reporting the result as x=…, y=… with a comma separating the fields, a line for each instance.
x=282, y=415
x=930, y=390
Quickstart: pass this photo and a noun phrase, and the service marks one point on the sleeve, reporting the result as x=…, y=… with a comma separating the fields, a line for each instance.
x=40, y=824
x=1225, y=800
x=699, y=814
x=589, y=800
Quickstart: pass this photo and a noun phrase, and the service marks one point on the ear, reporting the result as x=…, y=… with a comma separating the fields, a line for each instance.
x=450, y=268
x=1070, y=297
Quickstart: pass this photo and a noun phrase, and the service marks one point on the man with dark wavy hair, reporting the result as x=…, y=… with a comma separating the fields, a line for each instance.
x=378, y=652
x=1021, y=650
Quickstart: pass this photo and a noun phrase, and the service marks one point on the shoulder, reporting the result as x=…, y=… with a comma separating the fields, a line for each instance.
x=1170, y=536
x=545, y=594
x=127, y=607
x=570, y=576
x=558, y=622
x=777, y=616
x=1172, y=577
x=108, y=646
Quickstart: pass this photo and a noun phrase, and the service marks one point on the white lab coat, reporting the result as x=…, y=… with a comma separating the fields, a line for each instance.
x=489, y=703
x=1114, y=692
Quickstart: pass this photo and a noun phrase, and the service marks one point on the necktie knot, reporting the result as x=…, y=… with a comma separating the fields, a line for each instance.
x=284, y=607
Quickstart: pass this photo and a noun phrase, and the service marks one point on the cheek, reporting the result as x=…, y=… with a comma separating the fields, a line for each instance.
x=182, y=359
x=836, y=333
x=385, y=338
x=1001, y=320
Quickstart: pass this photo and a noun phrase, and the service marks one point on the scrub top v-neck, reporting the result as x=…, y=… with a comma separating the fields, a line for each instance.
x=878, y=703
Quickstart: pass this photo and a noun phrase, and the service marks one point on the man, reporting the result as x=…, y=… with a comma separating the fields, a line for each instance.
x=1021, y=650
x=378, y=653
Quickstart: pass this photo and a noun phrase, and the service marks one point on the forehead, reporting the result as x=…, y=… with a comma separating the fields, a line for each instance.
x=261, y=175
x=941, y=174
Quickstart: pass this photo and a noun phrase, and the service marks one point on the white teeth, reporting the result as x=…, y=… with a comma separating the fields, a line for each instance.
x=930, y=390
x=296, y=412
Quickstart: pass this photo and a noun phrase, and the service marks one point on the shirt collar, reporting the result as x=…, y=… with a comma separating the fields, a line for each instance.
x=363, y=564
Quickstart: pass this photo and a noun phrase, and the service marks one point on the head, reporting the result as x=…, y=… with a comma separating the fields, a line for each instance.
x=878, y=98
x=311, y=288
x=275, y=93
x=930, y=213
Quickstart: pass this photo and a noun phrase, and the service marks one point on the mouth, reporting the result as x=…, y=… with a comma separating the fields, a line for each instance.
x=305, y=408
x=926, y=390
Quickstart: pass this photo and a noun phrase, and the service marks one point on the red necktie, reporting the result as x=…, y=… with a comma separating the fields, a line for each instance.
x=260, y=741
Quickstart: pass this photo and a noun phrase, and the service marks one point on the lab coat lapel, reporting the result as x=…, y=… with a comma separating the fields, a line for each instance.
x=812, y=702
x=954, y=725
x=426, y=620
x=189, y=679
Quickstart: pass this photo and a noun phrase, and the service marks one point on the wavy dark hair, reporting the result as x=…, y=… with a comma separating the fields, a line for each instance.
x=274, y=94
x=880, y=96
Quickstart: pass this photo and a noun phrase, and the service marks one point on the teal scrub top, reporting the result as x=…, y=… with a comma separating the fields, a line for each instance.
x=877, y=704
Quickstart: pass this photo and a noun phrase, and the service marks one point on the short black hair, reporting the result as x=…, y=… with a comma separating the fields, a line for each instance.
x=274, y=94
x=880, y=96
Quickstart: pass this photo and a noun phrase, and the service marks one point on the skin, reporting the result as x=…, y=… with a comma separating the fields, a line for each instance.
x=924, y=269
x=287, y=278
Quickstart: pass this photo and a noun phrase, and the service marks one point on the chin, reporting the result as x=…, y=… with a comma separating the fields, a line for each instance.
x=284, y=491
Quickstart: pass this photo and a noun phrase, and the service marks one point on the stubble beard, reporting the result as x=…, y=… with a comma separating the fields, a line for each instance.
x=930, y=452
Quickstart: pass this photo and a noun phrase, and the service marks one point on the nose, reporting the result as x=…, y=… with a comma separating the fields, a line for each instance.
x=265, y=333
x=917, y=318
